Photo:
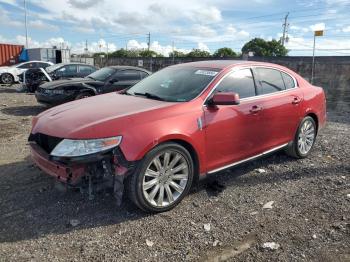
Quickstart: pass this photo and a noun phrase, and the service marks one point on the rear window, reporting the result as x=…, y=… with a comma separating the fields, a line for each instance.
x=270, y=80
x=288, y=81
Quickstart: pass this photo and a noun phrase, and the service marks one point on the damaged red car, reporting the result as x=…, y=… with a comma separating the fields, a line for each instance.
x=173, y=128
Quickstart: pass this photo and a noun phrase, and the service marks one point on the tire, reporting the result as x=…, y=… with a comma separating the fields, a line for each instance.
x=304, y=139
x=83, y=95
x=7, y=79
x=141, y=187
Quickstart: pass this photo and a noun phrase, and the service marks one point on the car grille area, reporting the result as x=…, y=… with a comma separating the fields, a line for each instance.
x=46, y=142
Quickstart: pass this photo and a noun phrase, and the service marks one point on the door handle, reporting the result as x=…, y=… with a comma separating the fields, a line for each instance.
x=296, y=100
x=255, y=109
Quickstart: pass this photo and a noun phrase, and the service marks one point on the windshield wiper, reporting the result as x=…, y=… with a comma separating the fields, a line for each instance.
x=91, y=77
x=149, y=95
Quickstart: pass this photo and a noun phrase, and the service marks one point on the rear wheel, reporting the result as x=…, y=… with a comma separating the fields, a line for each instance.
x=83, y=95
x=7, y=78
x=304, y=139
x=162, y=178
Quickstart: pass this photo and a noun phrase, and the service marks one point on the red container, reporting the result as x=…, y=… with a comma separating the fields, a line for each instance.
x=9, y=54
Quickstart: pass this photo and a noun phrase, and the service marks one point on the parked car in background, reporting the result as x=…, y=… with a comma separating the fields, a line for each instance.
x=9, y=74
x=35, y=77
x=105, y=80
x=177, y=126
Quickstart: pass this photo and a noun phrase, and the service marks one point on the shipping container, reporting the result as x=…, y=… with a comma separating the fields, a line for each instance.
x=49, y=54
x=9, y=54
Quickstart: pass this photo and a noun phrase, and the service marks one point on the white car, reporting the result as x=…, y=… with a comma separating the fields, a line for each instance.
x=9, y=74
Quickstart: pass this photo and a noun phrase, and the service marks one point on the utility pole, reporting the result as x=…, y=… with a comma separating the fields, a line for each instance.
x=25, y=21
x=149, y=40
x=285, y=29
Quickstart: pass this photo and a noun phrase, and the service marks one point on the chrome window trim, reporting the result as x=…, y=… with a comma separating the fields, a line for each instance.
x=252, y=67
x=247, y=159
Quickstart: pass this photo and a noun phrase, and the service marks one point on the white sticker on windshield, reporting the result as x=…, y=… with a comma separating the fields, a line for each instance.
x=206, y=73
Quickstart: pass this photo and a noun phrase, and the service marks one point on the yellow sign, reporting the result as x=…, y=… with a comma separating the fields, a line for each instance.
x=319, y=33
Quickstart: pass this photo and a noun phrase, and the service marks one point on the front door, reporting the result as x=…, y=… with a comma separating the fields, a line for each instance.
x=232, y=131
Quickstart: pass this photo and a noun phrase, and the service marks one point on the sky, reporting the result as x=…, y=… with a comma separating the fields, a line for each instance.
x=176, y=25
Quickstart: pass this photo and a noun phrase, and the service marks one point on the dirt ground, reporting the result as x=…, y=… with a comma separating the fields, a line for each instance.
x=309, y=219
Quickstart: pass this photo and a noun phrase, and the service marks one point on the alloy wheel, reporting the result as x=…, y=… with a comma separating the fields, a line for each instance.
x=165, y=178
x=6, y=79
x=306, y=137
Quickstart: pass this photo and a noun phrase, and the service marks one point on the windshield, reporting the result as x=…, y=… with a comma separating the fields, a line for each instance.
x=102, y=74
x=175, y=84
x=52, y=68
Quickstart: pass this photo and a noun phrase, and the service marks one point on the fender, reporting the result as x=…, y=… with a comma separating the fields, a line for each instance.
x=86, y=87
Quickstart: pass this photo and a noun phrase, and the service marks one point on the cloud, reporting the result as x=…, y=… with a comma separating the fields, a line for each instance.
x=84, y=30
x=6, y=21
x=203, y=47
x=346, y=29
x=203, y=31
x=318, y=26
x=41, y=25
x=206, y=15
x=306, y=44
x=83, y=4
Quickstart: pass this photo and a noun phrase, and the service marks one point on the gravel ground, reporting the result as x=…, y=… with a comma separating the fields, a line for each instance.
x=309, y=218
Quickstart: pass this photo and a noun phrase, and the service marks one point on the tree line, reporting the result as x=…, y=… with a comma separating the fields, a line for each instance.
x=257, y=46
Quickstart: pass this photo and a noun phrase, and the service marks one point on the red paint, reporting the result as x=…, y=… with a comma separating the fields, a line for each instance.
x=229, y=132
x=57, y=170
x=9, y=52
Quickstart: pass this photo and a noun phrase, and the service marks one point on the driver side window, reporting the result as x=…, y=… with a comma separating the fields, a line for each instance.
x=240, y=82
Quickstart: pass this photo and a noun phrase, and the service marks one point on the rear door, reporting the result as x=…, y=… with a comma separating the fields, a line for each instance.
x=281, y=100
x=232, y=131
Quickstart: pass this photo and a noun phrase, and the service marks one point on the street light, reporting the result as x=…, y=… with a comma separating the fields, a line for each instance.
x=25, y=21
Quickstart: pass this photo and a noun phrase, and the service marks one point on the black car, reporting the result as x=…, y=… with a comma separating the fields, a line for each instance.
x=34, y=77
x=105, y=80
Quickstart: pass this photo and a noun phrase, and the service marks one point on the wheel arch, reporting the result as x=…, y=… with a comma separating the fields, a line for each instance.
x=194, y=155
x=181, y=140
x=315, y=118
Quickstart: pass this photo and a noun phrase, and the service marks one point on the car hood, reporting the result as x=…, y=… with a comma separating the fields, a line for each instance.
x=69, y=81
x=96, y=117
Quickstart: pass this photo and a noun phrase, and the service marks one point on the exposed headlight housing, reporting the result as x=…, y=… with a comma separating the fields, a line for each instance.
x=73, y=148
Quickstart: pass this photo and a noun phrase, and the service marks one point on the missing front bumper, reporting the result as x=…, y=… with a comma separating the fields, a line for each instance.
x=90, y=174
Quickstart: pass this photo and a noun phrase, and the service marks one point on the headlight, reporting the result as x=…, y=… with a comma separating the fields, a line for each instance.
x=71, y=148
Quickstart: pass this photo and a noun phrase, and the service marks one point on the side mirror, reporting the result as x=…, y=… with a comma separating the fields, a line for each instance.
x=225, y=98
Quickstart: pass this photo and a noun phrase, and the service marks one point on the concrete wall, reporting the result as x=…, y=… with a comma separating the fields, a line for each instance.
x=331, y=73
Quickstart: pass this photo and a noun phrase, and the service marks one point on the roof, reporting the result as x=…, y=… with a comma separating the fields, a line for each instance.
x=224, y=64
x=220, y=64
x=72, y=63
x=129, y=67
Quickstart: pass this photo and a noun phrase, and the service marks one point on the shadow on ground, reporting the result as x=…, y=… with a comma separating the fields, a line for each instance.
x=7, y=89
x=31, y=207
x=23, y=110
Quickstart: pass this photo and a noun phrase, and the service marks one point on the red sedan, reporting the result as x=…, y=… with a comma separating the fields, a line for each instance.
x=177, y=126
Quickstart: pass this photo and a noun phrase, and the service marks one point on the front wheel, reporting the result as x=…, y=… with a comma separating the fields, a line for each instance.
x=7, y=78
x=304, y=139
x=162, y=179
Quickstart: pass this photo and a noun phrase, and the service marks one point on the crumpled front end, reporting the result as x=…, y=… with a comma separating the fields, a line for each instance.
x=91, y=173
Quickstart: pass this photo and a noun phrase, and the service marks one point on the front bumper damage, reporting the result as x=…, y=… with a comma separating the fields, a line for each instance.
x=90, y=174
